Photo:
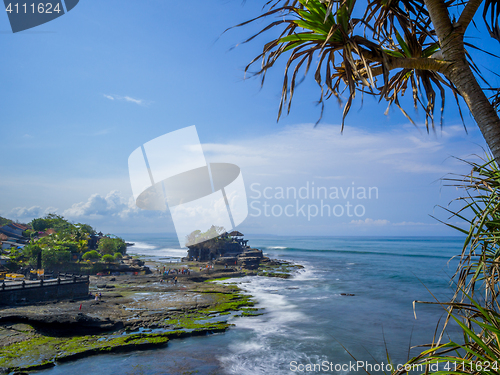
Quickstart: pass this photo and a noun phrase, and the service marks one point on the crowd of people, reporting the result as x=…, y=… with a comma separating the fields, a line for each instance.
x=170, y=274
x=174, y=271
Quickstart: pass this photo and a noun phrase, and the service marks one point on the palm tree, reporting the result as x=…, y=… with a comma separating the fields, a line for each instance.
x=393, y=45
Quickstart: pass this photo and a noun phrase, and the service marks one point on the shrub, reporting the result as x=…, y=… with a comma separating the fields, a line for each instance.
x=55, y=257
x=107, y=246
x=31, y=252
x=28, y=233
x=85, y=228
x=121, y=246
x=91, y=255
x=108, y=258
x=118, y=256
x=112, y=246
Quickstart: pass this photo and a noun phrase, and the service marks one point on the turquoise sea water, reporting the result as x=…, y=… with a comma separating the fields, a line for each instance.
x=307, y=320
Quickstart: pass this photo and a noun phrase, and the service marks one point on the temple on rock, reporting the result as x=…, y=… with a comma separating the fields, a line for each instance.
x=227, y=248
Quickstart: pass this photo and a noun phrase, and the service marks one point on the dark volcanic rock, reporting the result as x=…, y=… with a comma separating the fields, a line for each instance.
x=63, y=324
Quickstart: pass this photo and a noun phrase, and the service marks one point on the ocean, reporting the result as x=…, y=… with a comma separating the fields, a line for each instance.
x=308, y=326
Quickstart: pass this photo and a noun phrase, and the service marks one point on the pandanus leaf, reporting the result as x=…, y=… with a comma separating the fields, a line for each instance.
x=492, y=9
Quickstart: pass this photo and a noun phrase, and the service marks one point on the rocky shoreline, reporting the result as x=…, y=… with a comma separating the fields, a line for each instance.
x=134, y=313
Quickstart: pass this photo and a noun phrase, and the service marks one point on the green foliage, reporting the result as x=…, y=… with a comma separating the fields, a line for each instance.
x=480, y=258
x=4, y=221
x=54, y=221
x=91, y=255
x=198, y=236
x=57, y=247
x=16, y=254
x=118, y=256
x=33, y=353
x=108, y=258
x=29, y=233
x=85, y=228
x=31, y=252
x=475, y=304
x=39, y=224
x=32, y=249
x=61, y=242
x=70, y=246
x=107, y=246
x=382, y=48
x=52, y=258
x=121, y=246
x=111, y=246
x=225, y=302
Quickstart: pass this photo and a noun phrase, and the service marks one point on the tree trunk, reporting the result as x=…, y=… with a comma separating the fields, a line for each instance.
x=452, y=46
x=483, y=112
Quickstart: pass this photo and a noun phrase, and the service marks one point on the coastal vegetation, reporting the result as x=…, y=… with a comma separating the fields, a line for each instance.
x=44, y=352
x=111, y=246
x=4, y=221
x=212, y=235
x=224, y=303
x=54, y=243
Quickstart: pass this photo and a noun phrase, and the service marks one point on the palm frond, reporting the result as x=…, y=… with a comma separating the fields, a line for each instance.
x=491, y=13
x=347, y=62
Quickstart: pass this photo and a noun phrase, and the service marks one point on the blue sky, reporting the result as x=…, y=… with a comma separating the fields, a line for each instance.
x=82, y=92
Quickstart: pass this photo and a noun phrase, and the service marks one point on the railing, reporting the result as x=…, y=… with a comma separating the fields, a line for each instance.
x=65, y=280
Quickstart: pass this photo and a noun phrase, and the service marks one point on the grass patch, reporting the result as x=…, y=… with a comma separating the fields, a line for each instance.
x=219, y=279
x=43, y=352
x=224, y=304
x=251, y=312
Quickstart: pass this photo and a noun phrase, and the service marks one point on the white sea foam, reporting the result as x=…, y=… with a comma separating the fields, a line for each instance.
x=307, y=273
x=260, y=353
x=169, y=252
x=267, y=361
x=142, y=245
x=142, y=248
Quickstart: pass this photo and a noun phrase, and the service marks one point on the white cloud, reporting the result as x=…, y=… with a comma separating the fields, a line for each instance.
x=115, y=213
x=110, y=205
x=126, y=99
x=114, y=204
x=368, y=221
x=136, y=101
x=30, y=212
x=325, y=153
x=25, y=212
x=402, y=164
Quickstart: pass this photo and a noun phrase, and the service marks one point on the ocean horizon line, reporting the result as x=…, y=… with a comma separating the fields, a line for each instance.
x=309, y=235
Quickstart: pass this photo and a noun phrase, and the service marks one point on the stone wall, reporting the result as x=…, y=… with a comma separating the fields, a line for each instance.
x=47, y=292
